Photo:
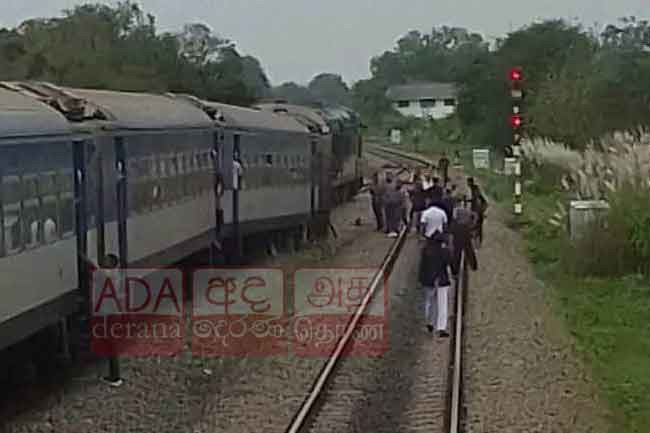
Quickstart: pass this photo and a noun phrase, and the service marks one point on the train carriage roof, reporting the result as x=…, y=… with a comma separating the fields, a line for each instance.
x=143, y=110
x=308, y=116
x=127, y=110
x=22, y=116
x=256, y=119
x=324, y=119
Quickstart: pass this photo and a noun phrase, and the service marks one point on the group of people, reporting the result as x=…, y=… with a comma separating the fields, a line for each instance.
x=448, y=223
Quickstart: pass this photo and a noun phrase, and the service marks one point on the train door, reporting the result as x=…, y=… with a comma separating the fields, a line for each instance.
x=316, y=179
x=219, y=189
x=79, y=151
x=101, y=203
x=121, y=201
x=236, y=180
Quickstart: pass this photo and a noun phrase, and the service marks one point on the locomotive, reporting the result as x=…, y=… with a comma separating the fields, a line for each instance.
x=150, y=179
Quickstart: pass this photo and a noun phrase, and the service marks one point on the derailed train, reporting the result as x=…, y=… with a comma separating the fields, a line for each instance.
x=149, y=179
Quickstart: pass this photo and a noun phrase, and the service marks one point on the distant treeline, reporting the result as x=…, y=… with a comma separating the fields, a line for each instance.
x=580, y=84
x=118, y=48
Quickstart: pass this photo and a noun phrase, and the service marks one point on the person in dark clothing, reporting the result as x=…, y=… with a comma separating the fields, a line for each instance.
x=405, y=202
x=461, y=240
x=418, y=204
x=457, y=158
x=434, y=278
x=478, y=205
x=447, y=204
x=393, y=200
x=377, y=191
x=435, y=192
x=443, y=166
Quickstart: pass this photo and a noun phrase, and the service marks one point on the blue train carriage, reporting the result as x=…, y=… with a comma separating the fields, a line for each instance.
x=150, y=164
x=268, y=173
x=339, y=146
x=321, y=137
x=41, y=177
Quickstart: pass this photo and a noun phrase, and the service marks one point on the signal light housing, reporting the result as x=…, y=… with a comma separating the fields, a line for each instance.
x=516, y=121
x=516, y=74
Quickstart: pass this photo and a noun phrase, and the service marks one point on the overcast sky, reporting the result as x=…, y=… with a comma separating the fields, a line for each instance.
x=297, y=39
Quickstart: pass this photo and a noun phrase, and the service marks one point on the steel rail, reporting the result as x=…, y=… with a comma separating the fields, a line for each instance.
x=299, y=420
x=456, y=382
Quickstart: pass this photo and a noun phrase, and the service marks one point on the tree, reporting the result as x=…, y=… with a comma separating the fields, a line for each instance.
x=98, y=46
x=294, y=94
x=330, y=89
x=254, y=78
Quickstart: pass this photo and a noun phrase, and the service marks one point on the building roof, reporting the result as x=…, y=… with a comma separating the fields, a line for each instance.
x=417, y=91
x=22, y=116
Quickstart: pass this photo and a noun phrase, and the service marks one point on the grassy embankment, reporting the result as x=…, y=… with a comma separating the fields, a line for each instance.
x=609, y=317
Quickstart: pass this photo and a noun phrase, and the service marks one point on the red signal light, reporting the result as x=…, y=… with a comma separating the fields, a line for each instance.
x=515, y=74
x=516, y=121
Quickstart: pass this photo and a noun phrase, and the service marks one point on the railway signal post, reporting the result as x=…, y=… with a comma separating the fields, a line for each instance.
x=516, y=122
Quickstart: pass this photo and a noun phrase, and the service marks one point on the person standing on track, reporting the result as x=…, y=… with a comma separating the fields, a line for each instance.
x=443, y=166
x=393, y=200
x=418, y=204
x=434, y=278
x=447, y=203
x=377, y=192
x=435, y=192
x=417, y=176
x=479, y=206
x=405, y=202
x=461, y=240
x=427, y=182
x=433, y=220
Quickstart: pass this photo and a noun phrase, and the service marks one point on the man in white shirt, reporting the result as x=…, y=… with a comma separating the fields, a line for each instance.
x=433, y=220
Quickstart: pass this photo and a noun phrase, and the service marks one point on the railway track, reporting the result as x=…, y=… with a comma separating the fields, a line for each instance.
x=317, y=411
x=398, y=159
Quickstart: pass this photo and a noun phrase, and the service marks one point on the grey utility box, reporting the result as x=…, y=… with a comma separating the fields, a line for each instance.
x=584, y=212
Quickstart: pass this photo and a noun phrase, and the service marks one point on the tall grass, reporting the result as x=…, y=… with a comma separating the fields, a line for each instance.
x=618, y=172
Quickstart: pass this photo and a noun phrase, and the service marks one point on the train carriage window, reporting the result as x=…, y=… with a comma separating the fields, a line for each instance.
x=132, y=168
x=31, y=211
x=49, y=207
x=11, y=209
x=174, y=161
x=67, y=203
